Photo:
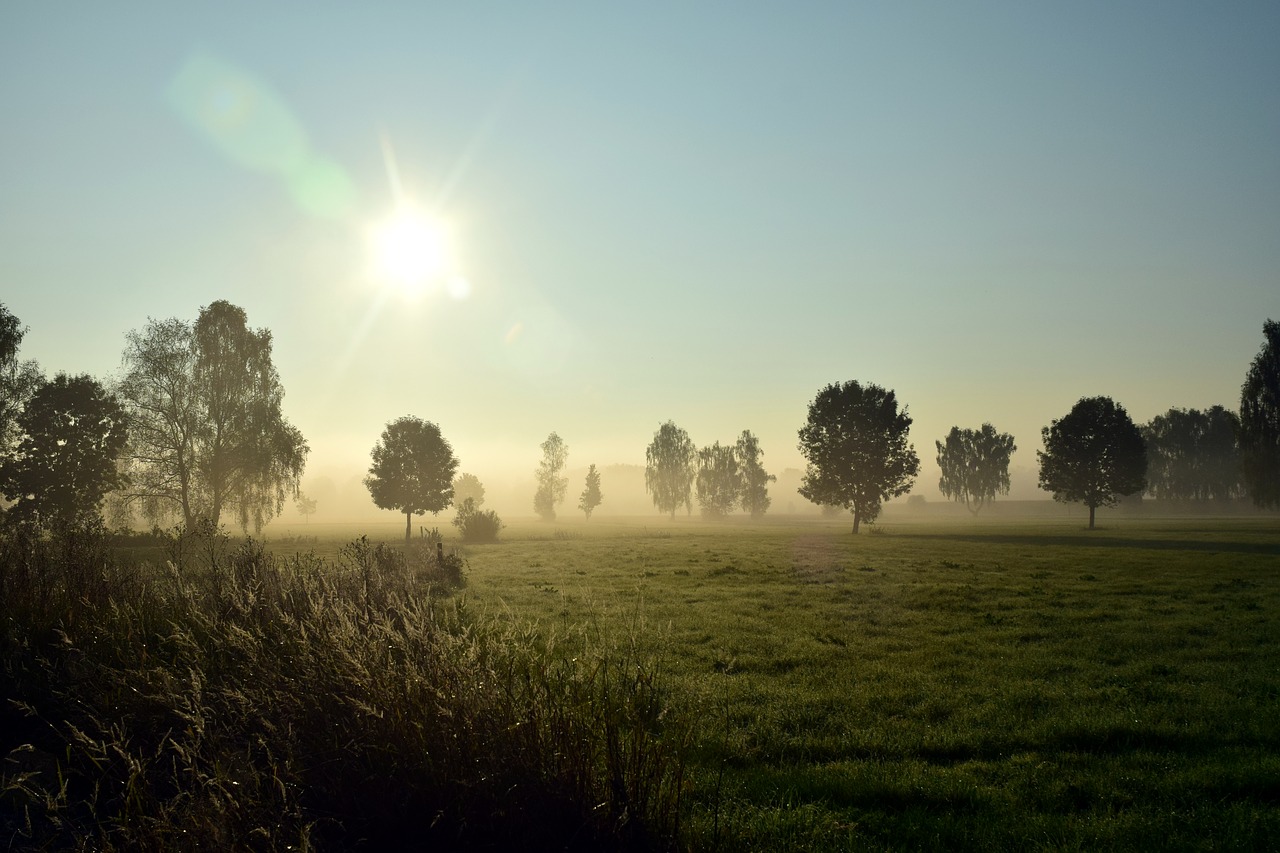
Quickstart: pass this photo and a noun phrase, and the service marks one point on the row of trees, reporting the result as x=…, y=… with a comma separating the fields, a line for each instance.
x=722, y=477
x=855, y=444
x=192, y=429
x=413, y=473
x=1191, y=456
x=552, y=486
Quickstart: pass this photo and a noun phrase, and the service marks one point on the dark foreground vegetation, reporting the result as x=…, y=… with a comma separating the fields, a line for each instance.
x=232, y=699
x=1009, y=686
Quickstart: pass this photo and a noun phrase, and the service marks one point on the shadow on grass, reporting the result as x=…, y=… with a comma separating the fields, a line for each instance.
x=1101, y=540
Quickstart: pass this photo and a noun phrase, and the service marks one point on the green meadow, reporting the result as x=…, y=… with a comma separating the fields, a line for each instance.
x=942, y=685
x=937, y=684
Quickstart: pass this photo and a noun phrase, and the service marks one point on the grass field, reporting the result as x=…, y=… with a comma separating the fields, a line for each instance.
x=945, y=685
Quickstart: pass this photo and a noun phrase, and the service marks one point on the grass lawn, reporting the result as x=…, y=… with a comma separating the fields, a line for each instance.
x=944, y=685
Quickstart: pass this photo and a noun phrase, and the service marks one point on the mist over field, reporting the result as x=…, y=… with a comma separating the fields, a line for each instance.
x=650, y=427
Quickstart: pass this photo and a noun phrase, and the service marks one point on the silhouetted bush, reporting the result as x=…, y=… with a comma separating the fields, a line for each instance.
x=477, y=526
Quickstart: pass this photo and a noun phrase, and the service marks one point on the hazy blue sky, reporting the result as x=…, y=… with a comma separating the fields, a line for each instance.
x=698, y=212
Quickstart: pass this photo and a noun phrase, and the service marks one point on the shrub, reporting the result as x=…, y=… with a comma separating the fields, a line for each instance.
x=477, y=526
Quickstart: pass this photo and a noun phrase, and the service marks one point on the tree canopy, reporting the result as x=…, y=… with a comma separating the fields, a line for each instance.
x=552, y=487
x=73, y=431
x=975, y=465
x=1093, y=454
x=468, y=486
x=412, y=470
x=755, y=480
x=1260, y=421
x=855, y=443
x=669, y=469
x=206, y=428
x=1193, y=455
x=718, y=483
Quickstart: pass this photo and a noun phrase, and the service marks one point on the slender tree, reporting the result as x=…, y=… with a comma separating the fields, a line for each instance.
x=591, y=496
x=1260, y=421
x=855, y=441
x=975, y=465
x=755, y=480
x=1094, y=455
x=306, y=506
x=552, y=486
x=718, y=483
x=18, y=379
x=412, y=470
x=73, y=431
x=206, y=426
x=669, y=469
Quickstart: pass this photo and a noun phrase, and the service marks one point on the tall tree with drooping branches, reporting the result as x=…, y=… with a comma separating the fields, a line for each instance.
x=669, y=469
x=974, y=465
x=207, y=431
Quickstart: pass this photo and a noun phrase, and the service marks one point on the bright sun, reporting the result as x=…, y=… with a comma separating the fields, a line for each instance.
x=411, y=251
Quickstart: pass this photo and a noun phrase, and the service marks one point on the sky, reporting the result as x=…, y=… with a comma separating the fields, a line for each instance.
x=699, y=212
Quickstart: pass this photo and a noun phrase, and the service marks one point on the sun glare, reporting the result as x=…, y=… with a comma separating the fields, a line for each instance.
x=411, y=251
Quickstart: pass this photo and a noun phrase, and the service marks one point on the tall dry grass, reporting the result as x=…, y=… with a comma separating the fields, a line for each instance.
x=232, y=699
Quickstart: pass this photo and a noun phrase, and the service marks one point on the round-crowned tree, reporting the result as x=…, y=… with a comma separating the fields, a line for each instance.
x=855, y=441
x=1094, y=454
x=412, y=470
x=73, y=431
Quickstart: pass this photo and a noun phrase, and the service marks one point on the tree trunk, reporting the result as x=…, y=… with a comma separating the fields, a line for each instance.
x=1091, y=508
x=408, y=527
x=857, y=518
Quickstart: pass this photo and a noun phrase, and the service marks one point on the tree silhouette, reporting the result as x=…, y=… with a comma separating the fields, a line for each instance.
x=1193, y=455
x=975, y=465
x=755, y=480
x=591, y=496
x=551, y=486
x=66, y=462
x=18, y=379
x=412, y=470
x=669, y=469
x=1260, y=421
x=1094, y=454
x=718, y=483
x=306, y=506
x=855, y=442
x=468, y=486
x=206, y=429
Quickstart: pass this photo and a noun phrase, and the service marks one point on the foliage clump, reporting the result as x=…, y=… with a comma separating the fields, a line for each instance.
x=477, y=526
